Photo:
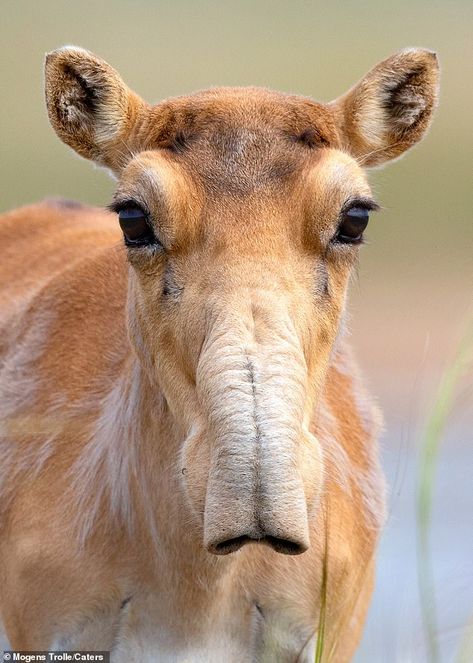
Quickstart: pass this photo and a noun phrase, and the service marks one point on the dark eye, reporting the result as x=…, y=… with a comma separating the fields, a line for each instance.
x=135, y=225
x=352, y=224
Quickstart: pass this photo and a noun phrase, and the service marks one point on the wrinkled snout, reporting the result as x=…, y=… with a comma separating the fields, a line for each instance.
x=264, y=471
x=259, y=502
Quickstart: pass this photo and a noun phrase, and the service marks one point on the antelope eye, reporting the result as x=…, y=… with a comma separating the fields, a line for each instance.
x=135, y=225
x=352, y=224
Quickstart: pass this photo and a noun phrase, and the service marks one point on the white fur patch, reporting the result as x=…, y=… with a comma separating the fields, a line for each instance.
x=109, y=472
x=18, y=389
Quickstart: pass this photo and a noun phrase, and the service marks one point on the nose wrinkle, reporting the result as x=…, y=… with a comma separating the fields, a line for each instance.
x=250, y=369
x=253, y=389
x=258, y=435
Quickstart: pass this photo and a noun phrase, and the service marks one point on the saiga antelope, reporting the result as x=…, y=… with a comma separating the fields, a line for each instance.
x=187, y=393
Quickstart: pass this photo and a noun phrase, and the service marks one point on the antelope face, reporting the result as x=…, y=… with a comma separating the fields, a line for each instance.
x=242, y=211
x=241, y=242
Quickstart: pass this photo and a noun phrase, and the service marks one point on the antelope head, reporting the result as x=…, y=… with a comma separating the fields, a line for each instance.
x=243, y=212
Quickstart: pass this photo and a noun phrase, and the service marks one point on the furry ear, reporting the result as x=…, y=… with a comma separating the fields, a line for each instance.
x=89, y=106
x=390, y=109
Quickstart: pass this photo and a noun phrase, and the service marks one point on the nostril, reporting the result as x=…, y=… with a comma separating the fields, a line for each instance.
x=230, y=545
x=283, y=546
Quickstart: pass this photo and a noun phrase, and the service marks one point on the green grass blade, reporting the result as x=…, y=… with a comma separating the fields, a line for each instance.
x=428, y=463
x=465, y=651
x=319, y=649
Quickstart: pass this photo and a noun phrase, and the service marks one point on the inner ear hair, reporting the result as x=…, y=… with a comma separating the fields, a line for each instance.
x=405, y=96
x=390, y=109
x=89, y=106
x=79, y=99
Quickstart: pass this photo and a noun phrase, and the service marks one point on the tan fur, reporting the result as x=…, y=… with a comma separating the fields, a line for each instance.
x=155, y=405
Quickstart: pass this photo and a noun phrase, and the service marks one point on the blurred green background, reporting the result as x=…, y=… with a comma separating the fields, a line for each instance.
x=415, y=282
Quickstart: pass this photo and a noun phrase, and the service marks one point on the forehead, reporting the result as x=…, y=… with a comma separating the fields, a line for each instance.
x=227, y=108
x=240, y=139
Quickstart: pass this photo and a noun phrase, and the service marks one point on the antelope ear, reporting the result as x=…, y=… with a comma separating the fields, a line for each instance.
x=390, y=109
x=89, y=106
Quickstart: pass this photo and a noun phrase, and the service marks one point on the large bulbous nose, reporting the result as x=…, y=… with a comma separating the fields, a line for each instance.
x=265, y=469
x=275, y=514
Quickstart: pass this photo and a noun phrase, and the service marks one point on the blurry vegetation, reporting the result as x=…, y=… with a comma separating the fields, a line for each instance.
x=461, y=365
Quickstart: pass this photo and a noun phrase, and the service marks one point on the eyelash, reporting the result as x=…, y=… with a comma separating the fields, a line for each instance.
x=116, y=206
